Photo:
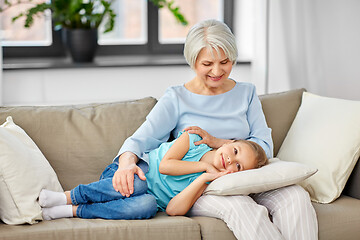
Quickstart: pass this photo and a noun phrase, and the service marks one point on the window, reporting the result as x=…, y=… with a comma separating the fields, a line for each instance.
x=14, y=34
x=172, y=32
x=140, y=28
x=130, y=26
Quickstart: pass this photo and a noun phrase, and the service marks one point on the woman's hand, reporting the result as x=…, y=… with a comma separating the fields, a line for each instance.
x=208, y=139
x=123, y=179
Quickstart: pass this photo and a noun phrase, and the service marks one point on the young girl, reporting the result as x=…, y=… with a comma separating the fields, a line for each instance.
x=177, y=175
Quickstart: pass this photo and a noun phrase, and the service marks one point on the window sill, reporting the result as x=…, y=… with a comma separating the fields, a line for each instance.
x=99, y=61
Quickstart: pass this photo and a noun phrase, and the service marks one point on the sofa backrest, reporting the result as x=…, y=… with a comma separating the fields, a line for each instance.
x=80, y=141
x=280, y=110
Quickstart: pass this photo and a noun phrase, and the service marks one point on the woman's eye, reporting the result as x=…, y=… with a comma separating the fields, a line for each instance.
x=206, y=64
x=225, y=62
x=235, y=151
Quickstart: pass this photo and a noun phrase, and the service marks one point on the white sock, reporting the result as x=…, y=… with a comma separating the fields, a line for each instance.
x=63, y=211
x=49, y=198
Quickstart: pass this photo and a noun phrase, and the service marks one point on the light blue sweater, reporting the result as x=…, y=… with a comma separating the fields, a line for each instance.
x=236, y=114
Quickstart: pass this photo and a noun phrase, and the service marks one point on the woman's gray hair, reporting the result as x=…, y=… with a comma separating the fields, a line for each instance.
x=210, y=34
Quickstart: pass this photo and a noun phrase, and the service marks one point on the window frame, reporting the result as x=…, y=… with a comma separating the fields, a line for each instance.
x=152, y=47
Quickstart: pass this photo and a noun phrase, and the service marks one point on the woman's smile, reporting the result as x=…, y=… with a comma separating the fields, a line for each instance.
x=217, y=78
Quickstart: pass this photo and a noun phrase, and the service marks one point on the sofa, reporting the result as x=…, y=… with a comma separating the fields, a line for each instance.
x=80, y=140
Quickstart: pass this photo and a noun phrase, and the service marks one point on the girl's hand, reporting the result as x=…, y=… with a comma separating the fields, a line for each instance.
x=209, y=168
x=208, y=177
x=208, y=139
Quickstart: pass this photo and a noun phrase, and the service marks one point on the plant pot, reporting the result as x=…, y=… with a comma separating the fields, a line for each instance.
x=82, y=44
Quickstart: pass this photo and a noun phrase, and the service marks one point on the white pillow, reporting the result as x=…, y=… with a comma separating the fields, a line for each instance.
x=326, y=134
x=275, y=174
x=24, y=171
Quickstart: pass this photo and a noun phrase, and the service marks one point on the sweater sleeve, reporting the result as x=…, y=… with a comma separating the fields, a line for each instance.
x=259, y=131
x=157, y=127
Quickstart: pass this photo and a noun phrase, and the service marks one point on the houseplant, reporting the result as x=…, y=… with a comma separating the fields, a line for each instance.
x=80, y=20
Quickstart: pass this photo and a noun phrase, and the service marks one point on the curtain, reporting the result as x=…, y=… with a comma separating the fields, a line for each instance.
x=313, y=44
x=1, y=88
x=259, y=65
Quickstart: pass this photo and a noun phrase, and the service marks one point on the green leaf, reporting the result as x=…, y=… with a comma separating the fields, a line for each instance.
x=76, y=14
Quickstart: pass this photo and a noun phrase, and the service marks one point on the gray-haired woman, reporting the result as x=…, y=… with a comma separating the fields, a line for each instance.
x=223, y=110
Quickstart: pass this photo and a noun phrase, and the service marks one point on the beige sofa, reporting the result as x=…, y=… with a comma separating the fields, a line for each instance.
x=79, y=141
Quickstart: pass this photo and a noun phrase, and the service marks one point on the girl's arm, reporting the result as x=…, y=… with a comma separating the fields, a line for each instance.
x=172, y=163
x=181, y=203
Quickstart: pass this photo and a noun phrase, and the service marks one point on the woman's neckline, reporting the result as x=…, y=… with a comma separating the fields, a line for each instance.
x=211, y=95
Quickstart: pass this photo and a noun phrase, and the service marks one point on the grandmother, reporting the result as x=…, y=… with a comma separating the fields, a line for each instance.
x=222, y=109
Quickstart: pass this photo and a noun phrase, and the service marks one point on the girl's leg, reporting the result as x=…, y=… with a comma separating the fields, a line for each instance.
x=103, y=190
x=103, y=196
x=62, y=211
x=291, y=211
x=244, y=217
x=135, y=207
x=49, y=198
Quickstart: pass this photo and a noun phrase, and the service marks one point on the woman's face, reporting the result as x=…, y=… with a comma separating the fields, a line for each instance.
x=213, y=69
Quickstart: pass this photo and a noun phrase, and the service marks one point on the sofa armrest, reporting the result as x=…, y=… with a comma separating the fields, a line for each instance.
x=352, y=187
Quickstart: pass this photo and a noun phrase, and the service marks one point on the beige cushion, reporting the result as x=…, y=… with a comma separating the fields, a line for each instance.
x=80, y=141
x=159, y=227
x=325, y=134
x=276, y=174
x=213, y=229
x=24, y=171
x=340, y=219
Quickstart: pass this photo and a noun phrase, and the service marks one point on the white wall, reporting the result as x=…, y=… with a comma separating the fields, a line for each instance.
x=83, y=85
x=329, y=28
x=73, y=86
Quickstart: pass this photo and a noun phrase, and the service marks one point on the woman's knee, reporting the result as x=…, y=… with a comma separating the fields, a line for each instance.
x=217, y=206
x=274, y=200
x=296, y=194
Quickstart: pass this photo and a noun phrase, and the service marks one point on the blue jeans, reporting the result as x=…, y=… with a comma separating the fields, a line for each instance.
x=100, y=200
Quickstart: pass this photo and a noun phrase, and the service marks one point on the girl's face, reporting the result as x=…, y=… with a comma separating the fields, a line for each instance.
x=235, y=157
x=212, y=69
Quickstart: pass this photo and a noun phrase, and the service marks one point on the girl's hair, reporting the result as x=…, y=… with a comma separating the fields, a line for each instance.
x=210, y=34
x=260, y=154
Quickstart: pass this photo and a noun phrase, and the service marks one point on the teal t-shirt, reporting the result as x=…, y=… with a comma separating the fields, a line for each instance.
x=165, y=187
